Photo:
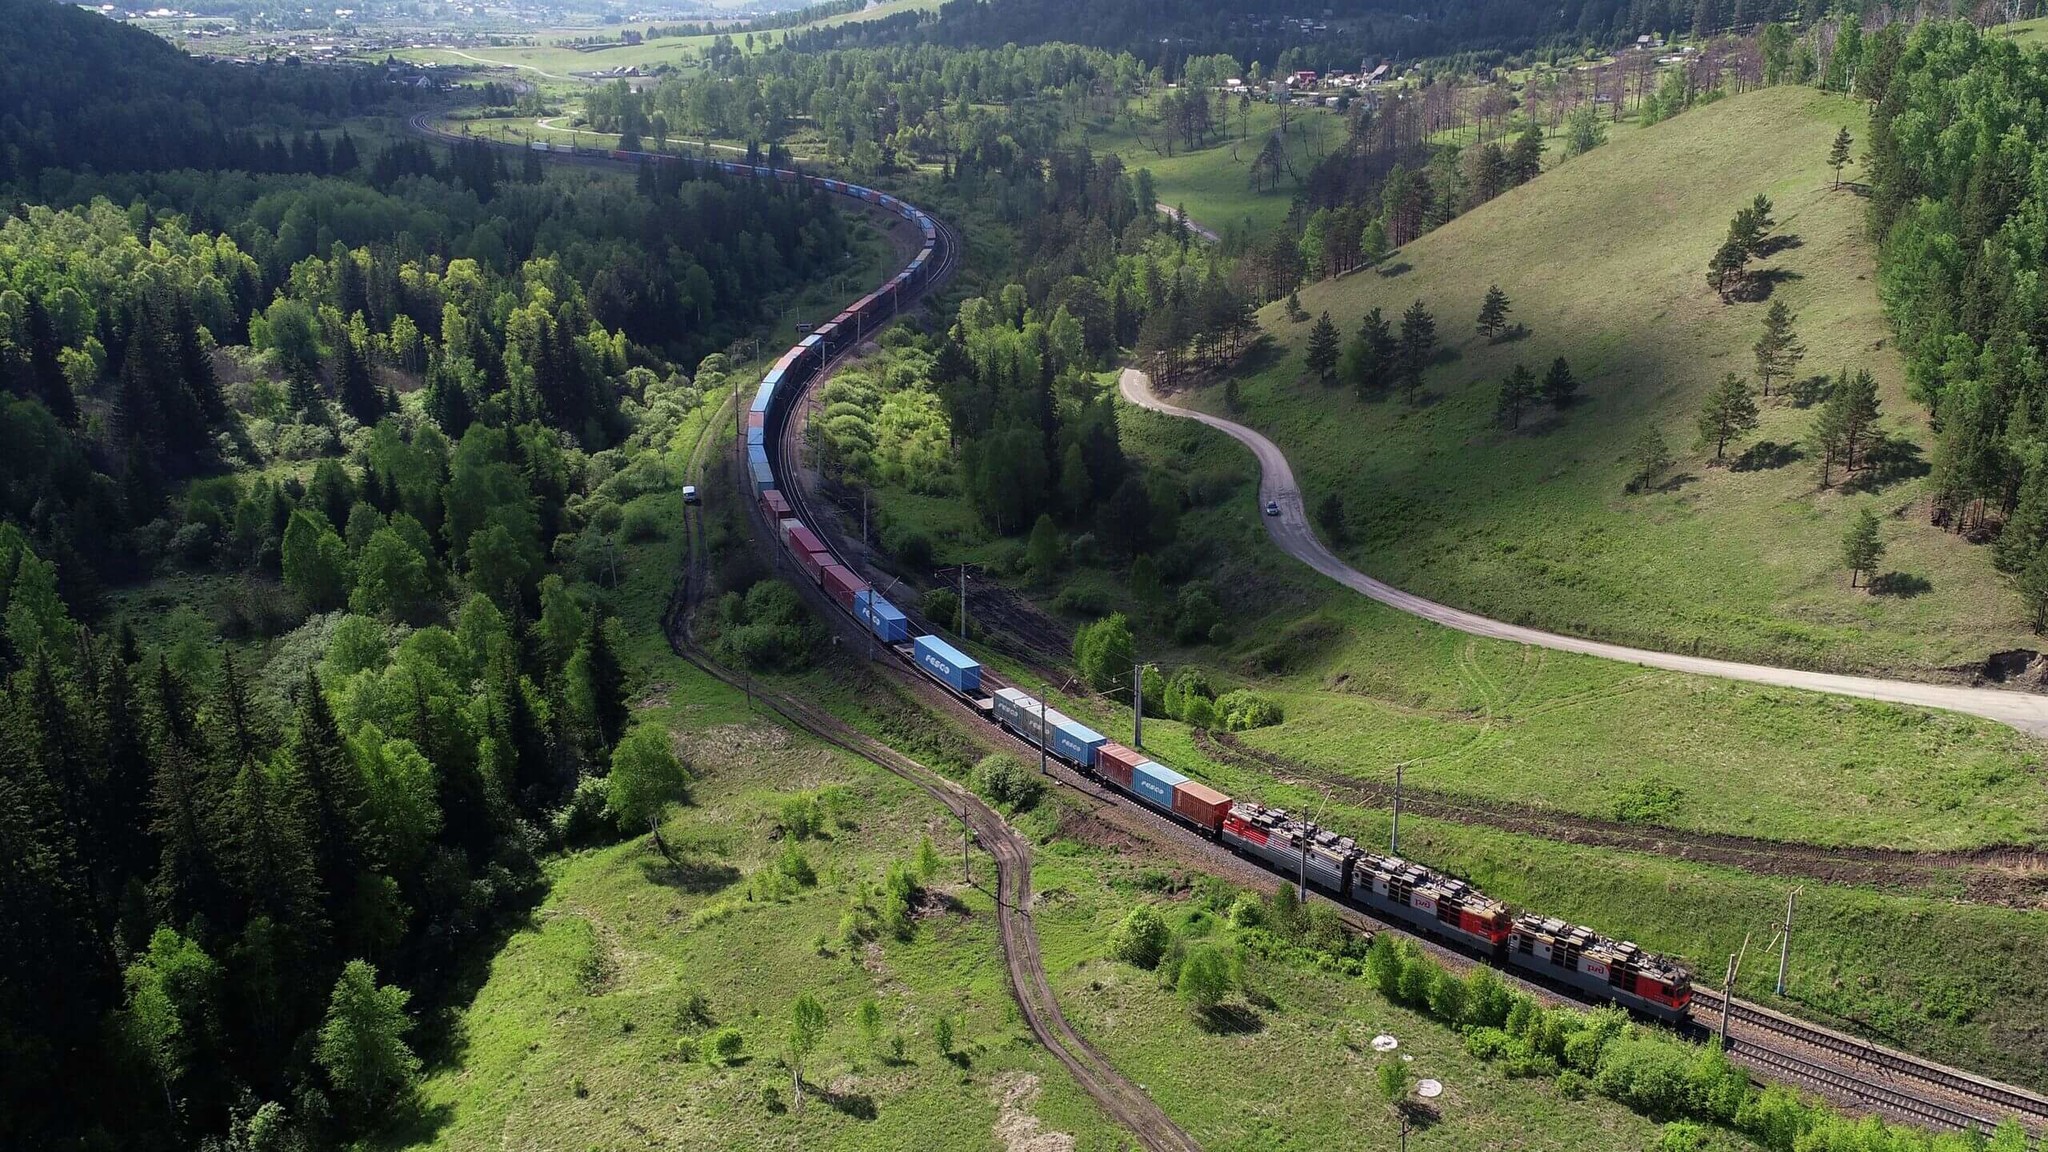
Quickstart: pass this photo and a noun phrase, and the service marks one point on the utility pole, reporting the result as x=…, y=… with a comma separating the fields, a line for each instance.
x=961, y=625
x=1308, y=831
x=1394, y=844
x=1137, y=705
x=1785, y=941
x=966, y=867
x=1728, y=989
x=1044, y=737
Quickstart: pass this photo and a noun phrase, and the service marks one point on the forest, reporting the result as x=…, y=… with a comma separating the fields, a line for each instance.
x=1958, y=199
x=374, y=410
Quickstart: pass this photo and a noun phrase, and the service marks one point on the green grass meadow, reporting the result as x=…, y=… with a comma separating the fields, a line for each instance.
x=1214, y=183
x=572, y=1039
x=1603, y=258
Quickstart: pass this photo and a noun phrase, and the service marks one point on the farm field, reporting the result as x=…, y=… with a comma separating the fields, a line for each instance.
x=558, y=63
x=1603, y=261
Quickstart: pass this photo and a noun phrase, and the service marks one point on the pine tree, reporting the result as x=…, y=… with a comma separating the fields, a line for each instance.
x=1517, y=392
x=1368, y=356
x=1838, y=153
x=1730, y=414
x=2034, y=590
x=1860, y=433
x=1652, y=457
x=1861, y=548
x=1728, y=268
x=1778, y=350
x=1323, y=349
x=1418, y=346
x=1493, y=313
x=1560, y=387
x=2027, y=527
x=1525, y=159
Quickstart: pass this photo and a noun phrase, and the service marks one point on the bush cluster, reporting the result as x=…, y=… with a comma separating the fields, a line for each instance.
x=1693, y=1087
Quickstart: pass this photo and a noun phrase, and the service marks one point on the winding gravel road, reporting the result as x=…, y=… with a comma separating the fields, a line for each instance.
x=1292, y=532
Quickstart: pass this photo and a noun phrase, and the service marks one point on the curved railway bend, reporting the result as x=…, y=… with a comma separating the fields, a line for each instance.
x=1848, y=1070
x=1118, y=1096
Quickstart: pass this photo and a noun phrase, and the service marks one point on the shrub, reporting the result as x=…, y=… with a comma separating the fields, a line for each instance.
x=1648, y=1075
x=1248, y=911
x=643, y=523
x=1244, y=709
x=725, y=1045
x=801, y=817
x=1007, y=782
x=1141, y=939
x=1446, y=997
x=910, y=547
x=585, y=818
x=1573, y=1086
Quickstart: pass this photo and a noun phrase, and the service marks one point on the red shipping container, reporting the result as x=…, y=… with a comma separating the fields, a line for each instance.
x=1200, y=803
x=775, y=506
x=801, y=539
x=813, y=563
x=842, y=585
x=1116, y=762
x=757, y=420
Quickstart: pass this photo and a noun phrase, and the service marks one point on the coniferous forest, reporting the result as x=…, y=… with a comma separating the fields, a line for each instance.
x=379, y=399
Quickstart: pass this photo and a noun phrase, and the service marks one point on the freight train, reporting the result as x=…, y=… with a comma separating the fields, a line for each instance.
x=1386, y=886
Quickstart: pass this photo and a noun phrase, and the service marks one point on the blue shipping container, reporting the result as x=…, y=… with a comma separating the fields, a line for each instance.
x=1155, y=782
x=757, y=438
x=757, y=454
x=882, y=618
x=1078, y=742
x=761, y=398
x=949, y=664
x=764, y=476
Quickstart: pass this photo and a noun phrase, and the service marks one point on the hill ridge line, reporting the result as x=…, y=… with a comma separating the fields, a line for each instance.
x=1292, y=532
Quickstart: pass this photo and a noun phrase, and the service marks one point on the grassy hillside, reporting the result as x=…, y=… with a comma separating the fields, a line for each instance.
x=1214, y=183
x=1604, y=260
x=572, y=1039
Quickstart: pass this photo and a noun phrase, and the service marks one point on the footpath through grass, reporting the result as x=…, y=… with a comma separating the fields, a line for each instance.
x=1604, y=259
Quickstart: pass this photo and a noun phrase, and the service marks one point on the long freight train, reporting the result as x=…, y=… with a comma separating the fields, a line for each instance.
x=1386, y=886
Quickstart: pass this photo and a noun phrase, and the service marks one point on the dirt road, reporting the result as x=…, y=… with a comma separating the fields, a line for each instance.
x=1292, y=532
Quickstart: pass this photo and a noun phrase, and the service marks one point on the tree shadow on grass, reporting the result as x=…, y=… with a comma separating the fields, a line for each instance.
x=1890, y=462
x=1765, y=456
x=1904, y=585
x=1784, y=242
x=858, y=1105
x=1759, y=285
x=691, y=877
x=1262, y=354
x=1231, y=1020
x=415, y=1123
x=1397, y=268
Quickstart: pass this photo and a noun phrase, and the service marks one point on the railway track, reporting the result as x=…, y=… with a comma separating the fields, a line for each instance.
x=1851, y=1070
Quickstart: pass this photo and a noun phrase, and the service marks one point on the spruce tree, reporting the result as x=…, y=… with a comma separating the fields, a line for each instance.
x=1525, y=159
x=2034, y=590
x=599, y=682
x=2027, y=527
x=1560, y=387
x=327, y=778
x=1838, y=153
x=1368, y=357
x=1727, y=269
x=45, y=369
x=1324, y=349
